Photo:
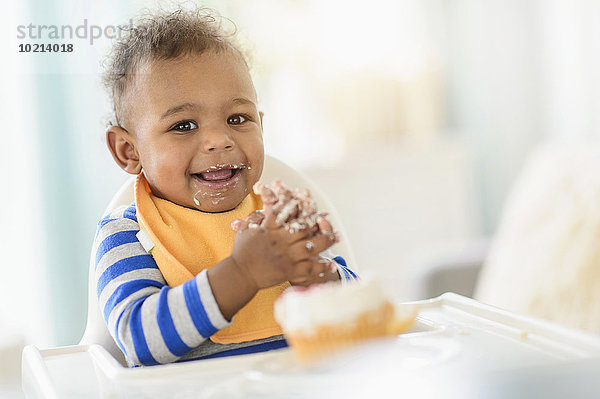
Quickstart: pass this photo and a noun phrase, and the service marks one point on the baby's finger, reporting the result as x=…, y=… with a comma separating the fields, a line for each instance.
x=301, y=281
x=286, y=211
x=325, y=268
x=301, y=233
x=239, y=225
x=329, y=265
x=255, y=217
x=257, y=187
x=303, y=271
x=271, y=213
x=269, y=198
x=283, y=197
x=312, y=270
x=267, y=195
x=236, y=224
x=279, y=214
x=324, y=225
x=308, y=206
x=269, y=220
x=281, y=190
x=311, y=247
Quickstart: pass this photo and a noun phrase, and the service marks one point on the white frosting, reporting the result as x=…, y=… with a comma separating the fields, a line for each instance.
x=303, y=310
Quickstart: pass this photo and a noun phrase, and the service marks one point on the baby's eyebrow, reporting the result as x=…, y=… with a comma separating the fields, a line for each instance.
x=242, y=100
x=179, y=108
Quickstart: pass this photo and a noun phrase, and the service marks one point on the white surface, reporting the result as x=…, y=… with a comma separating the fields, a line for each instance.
x=456, y=345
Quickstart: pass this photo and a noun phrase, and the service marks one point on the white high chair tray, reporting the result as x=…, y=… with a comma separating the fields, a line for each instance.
x=455, y=346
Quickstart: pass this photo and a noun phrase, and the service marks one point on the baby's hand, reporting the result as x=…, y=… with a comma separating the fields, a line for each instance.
x=295, y=209
x=253, y=220
x=278, y=199
x=295, y=212
x=269, y=254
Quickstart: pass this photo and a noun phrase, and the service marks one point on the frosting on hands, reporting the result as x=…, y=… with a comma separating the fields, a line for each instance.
x=295, y=213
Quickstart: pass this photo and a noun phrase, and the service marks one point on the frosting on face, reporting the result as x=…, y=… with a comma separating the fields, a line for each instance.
x=304, y=309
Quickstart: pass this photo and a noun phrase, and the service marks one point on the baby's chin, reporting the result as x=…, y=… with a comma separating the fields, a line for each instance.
x=206, y=200
x=216, y=202
x=211, y=208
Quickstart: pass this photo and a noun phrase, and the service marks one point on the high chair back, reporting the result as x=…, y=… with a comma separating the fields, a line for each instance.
x=96, y=331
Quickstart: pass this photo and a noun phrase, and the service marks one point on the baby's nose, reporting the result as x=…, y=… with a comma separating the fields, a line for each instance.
x=217, y=140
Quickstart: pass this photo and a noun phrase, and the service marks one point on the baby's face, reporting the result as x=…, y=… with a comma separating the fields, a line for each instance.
x=197, y=129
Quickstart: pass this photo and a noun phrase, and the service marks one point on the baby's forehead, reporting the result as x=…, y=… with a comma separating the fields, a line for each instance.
x=211, y=75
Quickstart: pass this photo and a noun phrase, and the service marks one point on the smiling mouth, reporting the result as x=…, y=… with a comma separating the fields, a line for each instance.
x=217, y=175
x=220, y=176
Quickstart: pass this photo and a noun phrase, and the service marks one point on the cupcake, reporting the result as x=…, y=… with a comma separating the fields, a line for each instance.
x=324, y=319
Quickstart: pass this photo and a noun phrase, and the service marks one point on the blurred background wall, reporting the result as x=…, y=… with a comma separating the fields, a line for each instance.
x=414, y=116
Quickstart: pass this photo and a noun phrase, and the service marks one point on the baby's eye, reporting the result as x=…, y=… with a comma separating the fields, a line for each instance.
x=236, y=119
x=184, y=126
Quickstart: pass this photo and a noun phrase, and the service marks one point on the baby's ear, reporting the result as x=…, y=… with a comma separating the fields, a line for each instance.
x=122, y=147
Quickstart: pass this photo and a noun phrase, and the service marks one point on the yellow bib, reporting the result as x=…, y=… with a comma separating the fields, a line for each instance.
x=187, y=241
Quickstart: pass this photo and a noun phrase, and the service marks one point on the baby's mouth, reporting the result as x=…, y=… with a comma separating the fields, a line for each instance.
x=219, y=176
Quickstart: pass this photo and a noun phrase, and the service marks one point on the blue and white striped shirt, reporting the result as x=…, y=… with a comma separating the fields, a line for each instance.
x=150, y=321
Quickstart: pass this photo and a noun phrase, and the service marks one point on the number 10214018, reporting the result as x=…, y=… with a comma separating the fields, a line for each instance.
x=45, y=48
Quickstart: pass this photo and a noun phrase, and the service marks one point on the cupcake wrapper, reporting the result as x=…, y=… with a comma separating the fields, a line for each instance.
x=329, y=339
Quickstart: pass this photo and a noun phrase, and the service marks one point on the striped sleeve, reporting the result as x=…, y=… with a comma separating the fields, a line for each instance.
x=346, y=274
x=151, y=322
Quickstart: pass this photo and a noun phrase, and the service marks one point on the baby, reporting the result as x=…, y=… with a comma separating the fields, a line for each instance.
x=191, y=270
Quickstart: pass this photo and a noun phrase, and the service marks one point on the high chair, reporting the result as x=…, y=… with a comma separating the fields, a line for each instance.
x=96, y=331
